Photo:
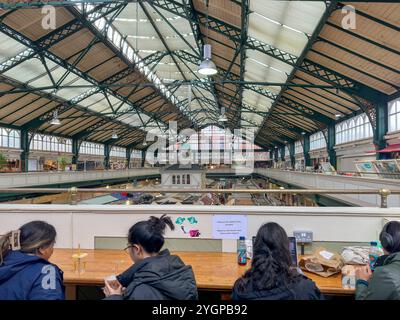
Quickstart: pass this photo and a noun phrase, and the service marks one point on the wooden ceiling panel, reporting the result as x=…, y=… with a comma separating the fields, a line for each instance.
x=31, y=115
x=360, y=46
x=29, y=21
x=224, y=10
x=371, y=30
x=350, y=73
x=388, y=12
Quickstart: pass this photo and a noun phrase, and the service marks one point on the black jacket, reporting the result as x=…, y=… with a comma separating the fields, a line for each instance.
x=302, y=289
x=162, y=277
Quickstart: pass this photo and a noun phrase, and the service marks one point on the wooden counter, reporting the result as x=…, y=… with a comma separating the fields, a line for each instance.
x=214, y=271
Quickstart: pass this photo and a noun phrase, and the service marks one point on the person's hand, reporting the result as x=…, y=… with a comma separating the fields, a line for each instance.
x=363, y=273
x=112, y=288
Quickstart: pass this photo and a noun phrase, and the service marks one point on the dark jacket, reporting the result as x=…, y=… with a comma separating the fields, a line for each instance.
x=384, y=283
x=162, y=277
x=29, y=277
x=302, y=289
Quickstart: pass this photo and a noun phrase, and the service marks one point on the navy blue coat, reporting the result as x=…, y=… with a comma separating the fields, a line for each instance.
x=29, y=277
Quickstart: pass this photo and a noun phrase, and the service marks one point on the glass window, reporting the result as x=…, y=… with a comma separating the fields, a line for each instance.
x=118, y=152
x=394, y=115
x=183, y=179
x=136, y=154
x=353, y=129
x=9, y=138
x=188, y=179
x=287, y=153
x=50, y=143
x=178, y=179
x=173, y=179
x=298, y=147
x=317, y=141
x=91, y=148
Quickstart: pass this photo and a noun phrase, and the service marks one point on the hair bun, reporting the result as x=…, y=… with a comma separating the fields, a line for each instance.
x=159, y=224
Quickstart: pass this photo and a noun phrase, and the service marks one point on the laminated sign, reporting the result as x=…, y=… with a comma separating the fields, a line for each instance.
x=229, y=226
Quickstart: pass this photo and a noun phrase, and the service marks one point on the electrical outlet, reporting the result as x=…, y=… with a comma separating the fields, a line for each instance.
x=303, y=236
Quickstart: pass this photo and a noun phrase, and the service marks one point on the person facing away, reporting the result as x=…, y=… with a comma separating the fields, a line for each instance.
x=384, y=282
x=272, y=275
x=154, y=275
x=25, y=270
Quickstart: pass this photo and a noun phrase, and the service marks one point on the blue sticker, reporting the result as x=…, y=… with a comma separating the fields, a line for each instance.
x=179, y=220
x=192, y=220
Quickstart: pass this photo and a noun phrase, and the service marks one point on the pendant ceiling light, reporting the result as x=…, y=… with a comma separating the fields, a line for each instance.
x=222, y=117
x=114, y=135
x=207, y=66
x=144, y=144
x=55, y=121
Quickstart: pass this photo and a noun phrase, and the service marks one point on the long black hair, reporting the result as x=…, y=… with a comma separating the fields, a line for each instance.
x=390, y=237
x=150, y=234
x=271, y=265
x=35, y=235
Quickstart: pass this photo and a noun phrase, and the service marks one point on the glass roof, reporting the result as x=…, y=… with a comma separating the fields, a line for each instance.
x=285, y=25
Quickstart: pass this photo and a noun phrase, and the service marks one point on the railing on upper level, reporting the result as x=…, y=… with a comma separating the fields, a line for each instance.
x=73, y=192
x=59, y=177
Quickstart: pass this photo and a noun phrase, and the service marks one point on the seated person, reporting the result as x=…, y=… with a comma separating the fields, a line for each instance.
x=25, y=270
x=272, y=275
x=155, y=275
x=384, y=282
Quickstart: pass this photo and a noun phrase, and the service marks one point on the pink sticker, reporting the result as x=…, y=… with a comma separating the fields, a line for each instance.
x=194, y=233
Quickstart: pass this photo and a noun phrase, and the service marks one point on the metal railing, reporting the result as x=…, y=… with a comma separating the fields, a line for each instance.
x=73, y=192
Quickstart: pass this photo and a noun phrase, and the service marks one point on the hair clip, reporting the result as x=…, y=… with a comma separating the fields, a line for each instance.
x=15, y=240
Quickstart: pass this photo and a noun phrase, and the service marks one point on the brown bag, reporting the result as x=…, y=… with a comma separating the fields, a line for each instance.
x=322, y=262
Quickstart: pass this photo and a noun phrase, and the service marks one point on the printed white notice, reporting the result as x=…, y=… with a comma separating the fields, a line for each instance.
x=326, y=254
x=229, y=226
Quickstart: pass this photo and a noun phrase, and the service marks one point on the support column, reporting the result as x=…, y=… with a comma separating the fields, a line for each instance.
x=306, y=150
x=107, y=149
x=75, y=150
x=25, y=150
x=283, y=153
x=331, y=144
x=381, y=128
x=143, y=158
x=128, y=157
x=276, y=156
x=292, y=156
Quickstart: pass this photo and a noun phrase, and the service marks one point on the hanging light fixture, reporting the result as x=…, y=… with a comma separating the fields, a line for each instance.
x=222, y=117
x=55, y=121
x=207, y=66
x=338, y=115
x=114, y=135
x=144, y=144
